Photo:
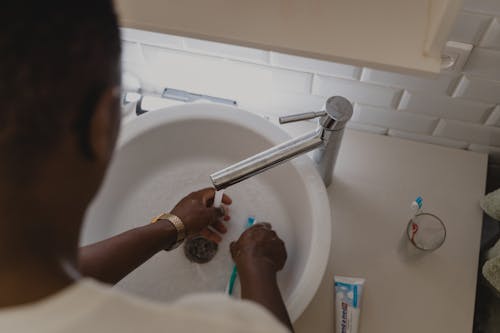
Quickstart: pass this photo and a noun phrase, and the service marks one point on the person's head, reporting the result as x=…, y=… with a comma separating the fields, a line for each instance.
x=59, y=104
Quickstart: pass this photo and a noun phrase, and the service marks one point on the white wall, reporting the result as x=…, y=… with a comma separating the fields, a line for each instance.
x=457, y=110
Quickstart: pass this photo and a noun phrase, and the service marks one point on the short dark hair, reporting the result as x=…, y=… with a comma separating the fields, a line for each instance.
x=57, y=57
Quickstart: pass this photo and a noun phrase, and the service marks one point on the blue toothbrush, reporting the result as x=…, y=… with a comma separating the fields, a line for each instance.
x=234, y=273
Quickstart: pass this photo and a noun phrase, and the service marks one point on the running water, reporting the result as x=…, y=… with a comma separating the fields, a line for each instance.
x=218, y=198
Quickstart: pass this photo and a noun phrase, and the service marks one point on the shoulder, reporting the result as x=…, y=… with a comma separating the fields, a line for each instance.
x=235, y=311
x=208, y=312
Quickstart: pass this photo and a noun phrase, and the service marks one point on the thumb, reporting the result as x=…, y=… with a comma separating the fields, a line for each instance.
x=232, y=247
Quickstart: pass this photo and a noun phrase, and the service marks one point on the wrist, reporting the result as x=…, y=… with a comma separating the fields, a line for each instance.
x=165, y=232
x=256, y=268
x=187, y=228
x=178, y=225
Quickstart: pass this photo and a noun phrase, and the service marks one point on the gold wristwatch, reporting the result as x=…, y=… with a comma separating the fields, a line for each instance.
x=178, y=225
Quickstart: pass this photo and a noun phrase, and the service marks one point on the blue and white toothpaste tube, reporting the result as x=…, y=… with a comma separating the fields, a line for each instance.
x=348, y=292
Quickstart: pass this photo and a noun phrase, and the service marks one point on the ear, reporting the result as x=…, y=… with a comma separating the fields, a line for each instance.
x=104, y=125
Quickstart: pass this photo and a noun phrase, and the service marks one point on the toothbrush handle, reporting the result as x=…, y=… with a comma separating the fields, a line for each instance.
x=232, y=280
x=234, y=273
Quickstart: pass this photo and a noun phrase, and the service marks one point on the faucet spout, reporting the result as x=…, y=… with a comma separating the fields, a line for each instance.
x=327, y=137
x=266, y=159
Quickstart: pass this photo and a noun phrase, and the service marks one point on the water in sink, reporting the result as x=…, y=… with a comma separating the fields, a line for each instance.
x=218, y=198
x=163, y=277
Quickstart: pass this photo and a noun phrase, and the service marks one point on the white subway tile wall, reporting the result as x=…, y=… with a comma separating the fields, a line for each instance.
x=494, y=118
x=438, y=85
x=401, y=120
x=355, y=91
x=491, y=38
x=484, y=62
x=469, y=27
x=152, y=38
x=460, y=110
x=476, y=88
x=482, y=6
x=131, y=52
x=284, y=103
x=248, y=83
x=489, y=136
x=314, y=66
x=292, y=81
x=367, y=128
x=228, y=51
x=443, y=106
x=429, y=139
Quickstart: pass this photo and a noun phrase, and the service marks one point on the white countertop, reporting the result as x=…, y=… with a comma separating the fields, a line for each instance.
x=375, y=180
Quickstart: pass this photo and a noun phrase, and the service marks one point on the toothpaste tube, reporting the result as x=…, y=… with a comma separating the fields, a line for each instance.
x=348, y=292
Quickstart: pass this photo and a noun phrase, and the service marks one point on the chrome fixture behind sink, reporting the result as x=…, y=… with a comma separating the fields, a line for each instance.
x=326, y=138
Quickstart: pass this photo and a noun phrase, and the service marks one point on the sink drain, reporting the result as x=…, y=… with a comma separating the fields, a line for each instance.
x=200, y=250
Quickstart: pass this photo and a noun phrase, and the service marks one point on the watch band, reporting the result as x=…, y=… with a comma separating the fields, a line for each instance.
x=178, y=225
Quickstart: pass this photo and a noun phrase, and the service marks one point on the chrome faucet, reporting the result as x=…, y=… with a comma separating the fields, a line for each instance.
x=326, y=138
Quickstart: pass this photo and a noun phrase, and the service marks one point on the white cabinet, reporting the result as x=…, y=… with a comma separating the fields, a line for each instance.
x=399, y=35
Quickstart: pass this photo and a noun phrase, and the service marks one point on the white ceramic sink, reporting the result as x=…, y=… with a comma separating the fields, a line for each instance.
x=165, y=154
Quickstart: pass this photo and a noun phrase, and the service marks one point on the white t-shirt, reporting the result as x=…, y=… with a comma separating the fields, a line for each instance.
x=91, y=307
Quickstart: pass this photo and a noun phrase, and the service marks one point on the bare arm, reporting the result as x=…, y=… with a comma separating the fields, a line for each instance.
x=114, y=258
x=259, y=284
x=259, y=254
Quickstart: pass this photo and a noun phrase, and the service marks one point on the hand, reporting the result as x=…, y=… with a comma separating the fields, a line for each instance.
x=259, y=254
x=259, y=246
x=197, y=214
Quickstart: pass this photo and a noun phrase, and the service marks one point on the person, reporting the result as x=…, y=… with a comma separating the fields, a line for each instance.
x=59, y=120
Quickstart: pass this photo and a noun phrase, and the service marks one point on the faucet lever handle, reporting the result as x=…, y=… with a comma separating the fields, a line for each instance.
x=301, y=116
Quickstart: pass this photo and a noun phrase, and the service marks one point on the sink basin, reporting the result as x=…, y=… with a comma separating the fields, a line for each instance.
x=165, y=154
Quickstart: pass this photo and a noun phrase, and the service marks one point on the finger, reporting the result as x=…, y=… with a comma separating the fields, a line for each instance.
x=207, y=194
x=215, y=236
x=232, y=247
x=211, y=235
x=227, y=213
x=271, y=235
x=221, y=211
x=226, y=218
x=213, y=215
x=263, y=225
x=227, y=199
x=220, y=227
